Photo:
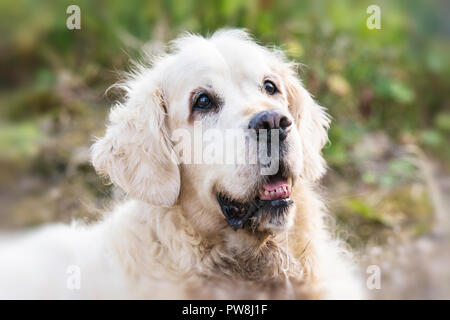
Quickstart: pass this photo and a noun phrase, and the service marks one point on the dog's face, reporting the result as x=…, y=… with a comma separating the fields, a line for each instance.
x=223, y=121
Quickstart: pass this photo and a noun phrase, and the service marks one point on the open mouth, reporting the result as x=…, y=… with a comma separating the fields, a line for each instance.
x=273, y=199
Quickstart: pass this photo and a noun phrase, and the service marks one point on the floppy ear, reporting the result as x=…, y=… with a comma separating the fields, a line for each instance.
x=312, y=124
x=136, y=152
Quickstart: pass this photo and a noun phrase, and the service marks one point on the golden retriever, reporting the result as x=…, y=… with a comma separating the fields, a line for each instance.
x=192, y=228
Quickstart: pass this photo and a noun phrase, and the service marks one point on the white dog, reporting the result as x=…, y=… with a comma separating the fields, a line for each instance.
x=197, y=230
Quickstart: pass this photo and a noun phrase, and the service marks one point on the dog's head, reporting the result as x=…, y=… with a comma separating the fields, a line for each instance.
x=222, y=123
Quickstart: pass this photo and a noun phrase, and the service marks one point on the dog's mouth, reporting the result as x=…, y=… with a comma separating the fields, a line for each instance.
x=272, y=201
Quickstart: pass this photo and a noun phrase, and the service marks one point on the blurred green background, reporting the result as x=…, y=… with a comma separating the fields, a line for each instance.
x=387, y=90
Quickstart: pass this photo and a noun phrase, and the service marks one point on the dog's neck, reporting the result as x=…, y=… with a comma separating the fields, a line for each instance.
x=239, y=254
x=213, y=250
x=242, y=255
x=228, y=254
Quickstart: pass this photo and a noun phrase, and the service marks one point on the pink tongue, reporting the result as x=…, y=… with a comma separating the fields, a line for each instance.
x=275, y=185
x=279, y=189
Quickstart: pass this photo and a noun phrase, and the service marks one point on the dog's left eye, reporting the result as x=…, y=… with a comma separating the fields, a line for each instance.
x=270, y=87
x=203, y=102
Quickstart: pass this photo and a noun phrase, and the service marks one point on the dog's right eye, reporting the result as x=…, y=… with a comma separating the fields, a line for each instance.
x=270, y=87
x=203, y=102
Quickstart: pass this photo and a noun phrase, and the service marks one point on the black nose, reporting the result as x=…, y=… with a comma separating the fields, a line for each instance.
x=269, y=120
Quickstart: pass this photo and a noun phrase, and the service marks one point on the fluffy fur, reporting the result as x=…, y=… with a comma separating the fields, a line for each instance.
x=170, y=239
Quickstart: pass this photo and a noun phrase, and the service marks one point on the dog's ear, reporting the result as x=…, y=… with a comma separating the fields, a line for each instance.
x=312, y=123
x=136, y=152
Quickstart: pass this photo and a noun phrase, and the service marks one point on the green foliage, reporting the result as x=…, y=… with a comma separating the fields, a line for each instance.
x=19, y=140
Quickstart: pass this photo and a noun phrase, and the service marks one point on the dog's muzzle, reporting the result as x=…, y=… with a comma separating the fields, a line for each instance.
x=238, y=214
x=273, y=198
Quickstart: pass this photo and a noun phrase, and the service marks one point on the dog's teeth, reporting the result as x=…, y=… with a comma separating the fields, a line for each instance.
x=272, y=193
x=266, y=193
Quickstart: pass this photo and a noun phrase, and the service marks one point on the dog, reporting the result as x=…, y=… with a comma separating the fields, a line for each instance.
x=198, y=230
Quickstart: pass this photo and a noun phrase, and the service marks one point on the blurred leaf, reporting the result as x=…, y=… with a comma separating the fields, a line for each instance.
x=401, y=92
x=362, y=208
x=387, y=180
x=401, y=167
x=436, y=60
x=294, y=49
x=431, y=138
x=394, y=89
x=338, y=85
x=369, y=177
x=19, y=140
x=365, y=210
x=45, y=79
x=335, y=65
x=443, y=121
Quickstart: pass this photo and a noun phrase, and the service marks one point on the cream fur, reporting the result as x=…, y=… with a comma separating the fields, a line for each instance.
x=170, y=239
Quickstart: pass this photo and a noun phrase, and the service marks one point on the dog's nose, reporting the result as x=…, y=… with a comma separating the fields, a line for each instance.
x=269, y=120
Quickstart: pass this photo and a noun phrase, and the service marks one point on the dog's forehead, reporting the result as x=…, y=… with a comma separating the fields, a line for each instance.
x=244, y=58
x=217, y=64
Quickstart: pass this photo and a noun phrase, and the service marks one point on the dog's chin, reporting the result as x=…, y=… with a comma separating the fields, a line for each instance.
x=273, y=216
x=257, y=215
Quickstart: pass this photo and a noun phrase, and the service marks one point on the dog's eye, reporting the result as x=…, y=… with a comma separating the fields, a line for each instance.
x=203, y=102
x=270, y=87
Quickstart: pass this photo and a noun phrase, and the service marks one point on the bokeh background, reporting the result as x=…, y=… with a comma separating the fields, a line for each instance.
x=387, y=90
